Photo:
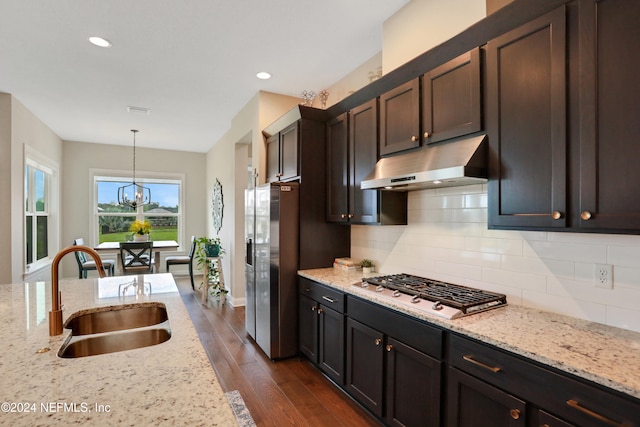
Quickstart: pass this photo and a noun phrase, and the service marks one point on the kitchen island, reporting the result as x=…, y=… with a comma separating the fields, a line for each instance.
x=171, y=383
x=602, y=354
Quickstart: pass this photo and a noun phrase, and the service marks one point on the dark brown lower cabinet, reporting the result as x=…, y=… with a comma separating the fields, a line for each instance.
x=475, y=403
x=413, y=379
x=395, y=381
x=321, y=327
x=394, y=365
x=365, y=365
x=489, y=386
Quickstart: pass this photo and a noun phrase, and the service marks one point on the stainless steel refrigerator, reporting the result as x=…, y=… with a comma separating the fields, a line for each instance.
x=271, y=265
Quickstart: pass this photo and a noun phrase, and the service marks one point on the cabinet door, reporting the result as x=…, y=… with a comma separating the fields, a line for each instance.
x=400, y=118
x=526, y=123
x=365, y=365
x=308, y=327
x=331, y=339
x=337, y=169
x=363, y=137
x=413, y=386
x=273, y=158
x=289, y=152
x=451, y=98
x=473, y=403
x=609, y=115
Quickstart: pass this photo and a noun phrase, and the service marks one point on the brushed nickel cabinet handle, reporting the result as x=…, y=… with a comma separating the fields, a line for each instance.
x=326, y=298
x=586, y=215
x=470, y=359
x=426, y=135
x=378, y=341
x=515, y=414
x=576, y=405
x=414, y=138
x=389, y=347
x=556, y=215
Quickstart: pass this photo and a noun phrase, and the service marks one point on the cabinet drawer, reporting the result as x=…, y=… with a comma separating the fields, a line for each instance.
x=580, y=403
x=329, y=297
x=425, y=338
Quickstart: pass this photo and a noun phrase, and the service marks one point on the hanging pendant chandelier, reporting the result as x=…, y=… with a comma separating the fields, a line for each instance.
x=134, y=194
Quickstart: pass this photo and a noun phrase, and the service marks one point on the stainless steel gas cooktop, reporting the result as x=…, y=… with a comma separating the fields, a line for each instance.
x=432, y=296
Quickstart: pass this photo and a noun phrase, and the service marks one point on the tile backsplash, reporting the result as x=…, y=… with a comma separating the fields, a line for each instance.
x=447, y=239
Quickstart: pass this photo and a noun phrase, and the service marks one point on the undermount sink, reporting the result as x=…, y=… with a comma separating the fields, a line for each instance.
x=117, y=318
x=113, y=342
x=117, y=328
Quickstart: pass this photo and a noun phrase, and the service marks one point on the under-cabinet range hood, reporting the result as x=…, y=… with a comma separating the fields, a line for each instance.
x=453, y=163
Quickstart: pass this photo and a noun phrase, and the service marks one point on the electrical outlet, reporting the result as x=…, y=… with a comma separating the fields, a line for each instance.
x=603, y=276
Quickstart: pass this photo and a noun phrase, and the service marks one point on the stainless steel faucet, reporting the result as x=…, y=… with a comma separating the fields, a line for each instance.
x=55, y=315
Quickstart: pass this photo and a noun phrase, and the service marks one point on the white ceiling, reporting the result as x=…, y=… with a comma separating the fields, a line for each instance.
x=192, y=62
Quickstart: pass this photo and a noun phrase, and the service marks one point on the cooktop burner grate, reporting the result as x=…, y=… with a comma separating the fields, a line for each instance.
x=461, y=297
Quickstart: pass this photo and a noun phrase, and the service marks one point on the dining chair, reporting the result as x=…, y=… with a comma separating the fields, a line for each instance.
x=85, y=265
x=184, y=259
x=136, y=257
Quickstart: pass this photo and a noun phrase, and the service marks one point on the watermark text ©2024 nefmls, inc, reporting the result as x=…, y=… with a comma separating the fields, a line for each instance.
x=54, y=407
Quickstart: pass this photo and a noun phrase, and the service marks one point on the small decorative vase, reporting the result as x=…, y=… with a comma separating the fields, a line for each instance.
x=367, y=270
x=212, y=250
x=140, y=237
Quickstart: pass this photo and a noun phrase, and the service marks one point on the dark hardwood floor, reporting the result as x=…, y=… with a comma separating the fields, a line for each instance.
x=290, y=392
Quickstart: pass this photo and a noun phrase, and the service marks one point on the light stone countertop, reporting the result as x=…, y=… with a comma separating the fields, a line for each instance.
x=603, y=354
x=171, y=383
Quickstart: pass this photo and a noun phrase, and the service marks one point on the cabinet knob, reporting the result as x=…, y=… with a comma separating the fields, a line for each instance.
x=389, y=347
x=414, y=138
x=314, y=308
x=320, y=311
x=515, y=414
x=343, y=216
x=586, y=215
x=378, y=341
x=556, y=215
x=350, y=216
x=279, y=175
x=426, y=135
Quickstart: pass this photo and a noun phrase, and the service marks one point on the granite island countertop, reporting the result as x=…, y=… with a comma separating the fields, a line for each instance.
x=602, y=354
x=171, y=383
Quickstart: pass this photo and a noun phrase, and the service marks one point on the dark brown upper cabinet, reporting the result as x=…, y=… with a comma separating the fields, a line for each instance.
x=338, y=169
x=282, y=155
x=526, y=123
x=451, y=99
x=400, y=118
x=609, y=116
x=352, y=154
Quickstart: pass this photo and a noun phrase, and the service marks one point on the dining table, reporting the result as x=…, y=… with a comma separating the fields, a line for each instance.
x=158, y=246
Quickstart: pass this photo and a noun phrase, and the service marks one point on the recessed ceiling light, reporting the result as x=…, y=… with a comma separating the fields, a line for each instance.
x=263, y=75
x=99, y=41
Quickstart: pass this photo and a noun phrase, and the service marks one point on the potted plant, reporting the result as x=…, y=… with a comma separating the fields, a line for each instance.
x=207, y=248
x=367, y=266
x=140, y=230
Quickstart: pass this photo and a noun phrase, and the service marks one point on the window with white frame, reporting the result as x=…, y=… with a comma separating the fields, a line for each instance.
x=37, y=195
x=164, y=212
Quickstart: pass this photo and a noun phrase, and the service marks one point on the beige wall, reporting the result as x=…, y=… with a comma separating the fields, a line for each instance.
x=22, y=130
x=81, y=157
x=421, y=25
x=227, y=161
x=493, y=5
x=5, y=187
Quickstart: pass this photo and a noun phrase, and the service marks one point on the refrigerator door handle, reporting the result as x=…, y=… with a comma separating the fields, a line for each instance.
x=249, y=251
